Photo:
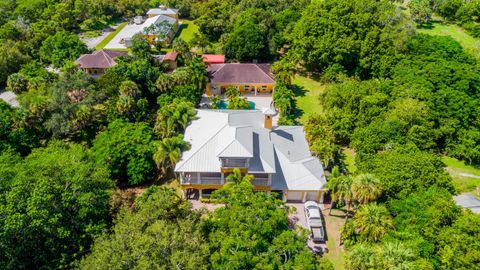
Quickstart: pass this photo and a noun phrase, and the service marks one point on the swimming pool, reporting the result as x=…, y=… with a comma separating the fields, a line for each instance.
x=222, y=105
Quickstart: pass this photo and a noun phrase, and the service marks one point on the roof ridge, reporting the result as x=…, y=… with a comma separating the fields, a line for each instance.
x=200, y=148
x=107, y=57
x=264, y=72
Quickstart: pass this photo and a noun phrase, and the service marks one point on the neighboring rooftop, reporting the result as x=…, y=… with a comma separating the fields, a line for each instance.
x=99, y=59
x=240, y=73
x=283, y=152
x=468, y=201
x=118, y=42
x=213, y=58
x=10, y=98
x=170, y=56
x=162, y=10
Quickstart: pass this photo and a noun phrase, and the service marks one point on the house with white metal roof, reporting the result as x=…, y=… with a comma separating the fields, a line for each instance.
x=278, y=157
x=156, y=29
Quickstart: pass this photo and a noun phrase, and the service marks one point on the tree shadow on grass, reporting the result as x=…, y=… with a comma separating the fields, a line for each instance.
x=299, y=91
x=429, y=25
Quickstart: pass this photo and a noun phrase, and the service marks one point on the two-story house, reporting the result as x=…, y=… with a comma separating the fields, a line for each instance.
x=278, y=157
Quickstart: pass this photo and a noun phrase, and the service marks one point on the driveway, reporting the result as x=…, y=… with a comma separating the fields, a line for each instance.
x=299, y=218
x=468, y=201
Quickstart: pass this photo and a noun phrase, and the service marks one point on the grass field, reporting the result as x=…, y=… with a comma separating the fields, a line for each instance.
x=334, y=224
x=466, y=177
x=308, y=92
x=187, y=30
x=110, y=36
x=456, y=32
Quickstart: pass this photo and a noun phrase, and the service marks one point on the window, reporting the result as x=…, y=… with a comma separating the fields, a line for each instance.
x=264, y=88
x=234, y=163
x=246, y=88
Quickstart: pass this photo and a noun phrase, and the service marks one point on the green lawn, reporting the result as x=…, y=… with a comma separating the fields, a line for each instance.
x=308, y=92
x=187, y=30
x=466, y=177
x=334, y=224
x=459, y=34
x=110, y=36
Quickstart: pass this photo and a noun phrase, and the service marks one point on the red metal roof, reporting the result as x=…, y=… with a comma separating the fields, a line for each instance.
x=214, y=58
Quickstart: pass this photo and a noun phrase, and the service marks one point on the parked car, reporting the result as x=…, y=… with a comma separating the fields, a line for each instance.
x=315, y=221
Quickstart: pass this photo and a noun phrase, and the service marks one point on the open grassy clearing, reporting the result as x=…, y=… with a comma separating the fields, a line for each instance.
x=459, y=34
x=187, y=30
x=307, y=92
x=466, y=177
x=110, y=36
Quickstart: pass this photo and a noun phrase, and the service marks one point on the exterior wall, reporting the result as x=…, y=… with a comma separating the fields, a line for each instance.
x=221, y=88
x=304, y=195
x=94, y=71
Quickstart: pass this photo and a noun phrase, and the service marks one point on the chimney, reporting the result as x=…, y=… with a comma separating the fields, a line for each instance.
x=163, y=7
x=268, y=118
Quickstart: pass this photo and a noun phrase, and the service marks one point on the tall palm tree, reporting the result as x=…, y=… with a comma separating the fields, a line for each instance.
x=373, y=221
x=236, y=177
x=366, y=188
x=198, y=72
x=169, y=151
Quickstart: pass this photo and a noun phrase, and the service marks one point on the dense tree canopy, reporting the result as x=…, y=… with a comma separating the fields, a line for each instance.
x=341, y=32
x=55, y=205
x=162, y=233
x=127, y=150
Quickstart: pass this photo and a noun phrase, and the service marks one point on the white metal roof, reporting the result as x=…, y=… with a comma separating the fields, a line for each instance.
x=160, y=11
x=284, y=152
x=130, y=30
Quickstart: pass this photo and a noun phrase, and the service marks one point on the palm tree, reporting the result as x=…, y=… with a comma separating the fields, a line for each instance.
x=215, y=100
x=366, y=188
x=231, y=93
x=198, y=72
x=361, y=257
x=164, y=82
x=373, y=221
x=394, y=255
x=236, y=177
x=169, y=151
x=174, y=118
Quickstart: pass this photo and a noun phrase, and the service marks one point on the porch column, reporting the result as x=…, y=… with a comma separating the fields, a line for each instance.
x=200, y=193
x=255, y=87
x=285, y=196
x=198, y=178
x=304, y=196
x=269, y=179
x=223, y=178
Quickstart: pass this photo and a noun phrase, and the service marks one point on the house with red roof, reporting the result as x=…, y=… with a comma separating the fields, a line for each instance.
x=210, y=59
x=97, y=62
x=248, y=78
